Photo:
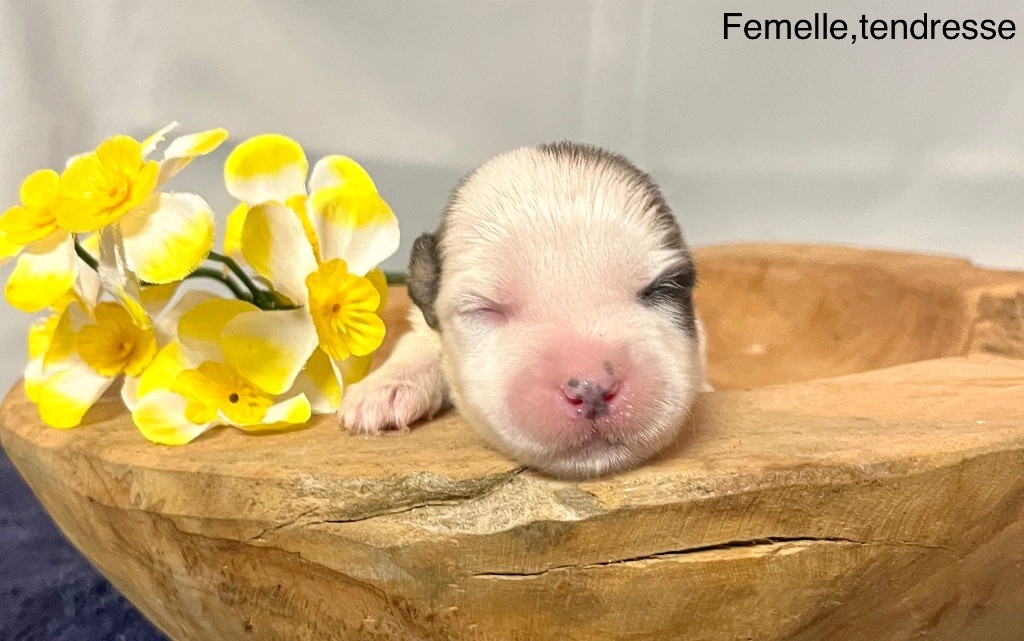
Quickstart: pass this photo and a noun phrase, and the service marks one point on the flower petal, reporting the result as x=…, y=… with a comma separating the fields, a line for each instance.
x=275, y=245
x=293, y=411
x=34, y=379
x=161, y=372
x=44, y=273
x=40, y=337
x=61, y=352
x=89, y=287
x=168, y=236
x=8, y=250
x=21, y=225
x=35, y=218
x=149, y=145
x=119, y=151
x=158, y=375
x=155, y=298
x=319, y=382
x=40, y=189
x=166, y=323
x=340, y=171
x=73, y=159
x=266, y=168
x=160, y=416
x=233, y=232
x=66, y=396
x=200, y=328
x=299, y=205
x=185, y=149
x=84, y=186
x=343, y=308
x=99, y=188
x=380, y=282
x=130, y=392
x=269, y=348
x=114, y=343
x=198, y=144
x=135, y=311
x=355, y=225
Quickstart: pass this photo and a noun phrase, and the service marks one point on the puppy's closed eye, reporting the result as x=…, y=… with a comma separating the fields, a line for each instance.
x=477, y=308
x=670, y=288
x=673, y=292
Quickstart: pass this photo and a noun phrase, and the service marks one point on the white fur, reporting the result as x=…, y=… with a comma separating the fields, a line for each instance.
x=562, y=247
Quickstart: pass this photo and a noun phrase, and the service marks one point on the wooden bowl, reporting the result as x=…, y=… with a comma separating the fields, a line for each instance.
x=860, y=475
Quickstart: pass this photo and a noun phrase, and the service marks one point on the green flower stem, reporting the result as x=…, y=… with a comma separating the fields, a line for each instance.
x=260, y=297
x=202, y=272
x=216, y=274
x=237, y=270
x=86, y=257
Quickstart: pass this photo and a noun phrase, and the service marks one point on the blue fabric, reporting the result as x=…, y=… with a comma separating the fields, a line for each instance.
x=48, y=591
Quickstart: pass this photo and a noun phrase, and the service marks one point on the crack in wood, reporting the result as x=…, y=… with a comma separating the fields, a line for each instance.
x=778, y=542
x=283, y=524
x=457, y=500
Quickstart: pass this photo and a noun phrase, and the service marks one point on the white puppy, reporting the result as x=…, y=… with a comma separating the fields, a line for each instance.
x=554, y=308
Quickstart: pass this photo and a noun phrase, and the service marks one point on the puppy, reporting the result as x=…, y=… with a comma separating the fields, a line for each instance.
x=554, y=309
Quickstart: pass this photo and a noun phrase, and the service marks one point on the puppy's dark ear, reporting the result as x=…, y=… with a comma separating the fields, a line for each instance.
x=425, y=276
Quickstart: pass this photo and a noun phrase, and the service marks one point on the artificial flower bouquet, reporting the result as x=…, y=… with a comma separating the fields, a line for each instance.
x=107, y=251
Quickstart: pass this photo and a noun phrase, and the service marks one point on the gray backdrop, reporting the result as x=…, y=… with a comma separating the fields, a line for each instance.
x=898, y=144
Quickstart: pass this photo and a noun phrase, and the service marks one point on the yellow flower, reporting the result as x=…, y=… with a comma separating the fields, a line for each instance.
x=75, y=357
x=35, y=217
x=47, y=267
x=344, y=311
x=100, y=187
x=115, y=344
x=215, y=388
x=189, y=388
x=319, y=247
x=236, y=223
x=342, y=215
x=165, y=236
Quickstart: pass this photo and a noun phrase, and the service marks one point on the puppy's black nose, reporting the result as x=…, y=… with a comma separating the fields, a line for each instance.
x=591, y=398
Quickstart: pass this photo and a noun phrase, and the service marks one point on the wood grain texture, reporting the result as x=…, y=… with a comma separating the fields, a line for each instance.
x=859, y=476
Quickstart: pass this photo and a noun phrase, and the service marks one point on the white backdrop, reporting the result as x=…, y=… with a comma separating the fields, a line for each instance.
x=899, y=144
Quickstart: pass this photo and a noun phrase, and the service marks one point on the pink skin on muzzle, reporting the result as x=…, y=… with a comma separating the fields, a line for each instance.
x=578, y=389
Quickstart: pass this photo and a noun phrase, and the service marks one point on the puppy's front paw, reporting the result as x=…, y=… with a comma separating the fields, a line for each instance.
x=377, y=405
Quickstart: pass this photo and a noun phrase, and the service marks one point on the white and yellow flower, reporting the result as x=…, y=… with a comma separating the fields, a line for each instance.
x=47, y=266
x=203, y=361
x=318, y=248
x=77, y=354
x=165, y=235
x=189, y=388
x=79, y=350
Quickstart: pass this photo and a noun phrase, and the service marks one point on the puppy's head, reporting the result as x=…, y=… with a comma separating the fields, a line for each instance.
x=562, y=291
